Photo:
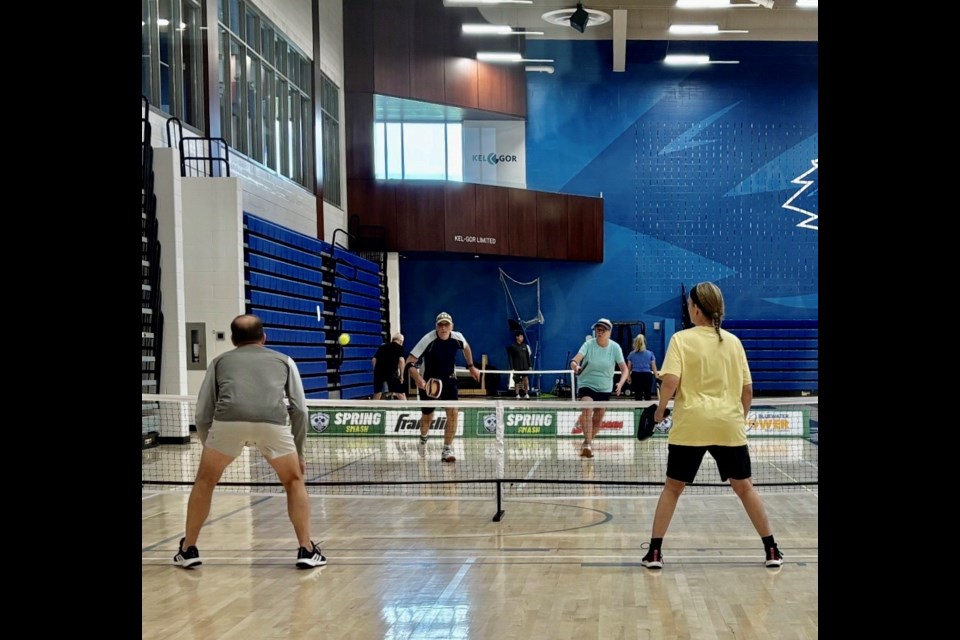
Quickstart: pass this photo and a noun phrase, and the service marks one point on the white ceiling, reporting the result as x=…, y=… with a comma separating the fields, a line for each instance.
x=650, y=19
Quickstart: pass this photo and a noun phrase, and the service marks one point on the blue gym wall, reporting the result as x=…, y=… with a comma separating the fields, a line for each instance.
x=707, y=173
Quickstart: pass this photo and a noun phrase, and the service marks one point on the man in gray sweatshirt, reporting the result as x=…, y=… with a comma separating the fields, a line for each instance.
x=241, y=402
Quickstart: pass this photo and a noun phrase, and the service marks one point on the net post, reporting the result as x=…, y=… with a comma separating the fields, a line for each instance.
x=501, y=454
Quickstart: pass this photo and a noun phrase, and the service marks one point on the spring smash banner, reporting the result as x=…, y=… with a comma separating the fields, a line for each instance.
x=528, y=422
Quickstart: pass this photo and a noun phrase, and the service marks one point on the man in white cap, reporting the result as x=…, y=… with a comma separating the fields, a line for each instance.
x=594, y=363
x=438, y=349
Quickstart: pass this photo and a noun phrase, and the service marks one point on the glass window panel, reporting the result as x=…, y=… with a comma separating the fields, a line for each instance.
x=293, y=66
x=281, y=61
x=394, y=151
x=268, y=114
x=220, y=10
x=379, y=151
x=252, y=35
x=253, y=107
x=455, y=151
x=266, y=42
x=235, y=16
x=236, y=96
x=146, y=68
x=226, y=129
x=306, y=76
x=280, y=129
x=192, y=65
x=296, y=168
x=165, y=27
x=424, y=151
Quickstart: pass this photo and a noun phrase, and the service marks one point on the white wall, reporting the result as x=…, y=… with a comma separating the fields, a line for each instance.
x=212, y=260
x=494, y=152
x=166, y=170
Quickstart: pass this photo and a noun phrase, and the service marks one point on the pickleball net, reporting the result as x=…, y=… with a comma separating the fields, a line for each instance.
x=504, y=448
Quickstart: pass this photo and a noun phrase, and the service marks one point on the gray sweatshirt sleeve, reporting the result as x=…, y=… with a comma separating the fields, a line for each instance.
x=206, y=402
x=298, y=406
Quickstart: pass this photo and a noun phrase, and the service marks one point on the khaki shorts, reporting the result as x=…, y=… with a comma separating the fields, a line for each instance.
x=272, y=440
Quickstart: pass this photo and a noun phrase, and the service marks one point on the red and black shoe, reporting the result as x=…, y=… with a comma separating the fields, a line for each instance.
x=653, y=559
x=774, y=557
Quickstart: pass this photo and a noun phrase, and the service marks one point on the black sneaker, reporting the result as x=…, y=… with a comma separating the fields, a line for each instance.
x=774, y=557
x=189, y=558
x=653, y=559
x=310, y=558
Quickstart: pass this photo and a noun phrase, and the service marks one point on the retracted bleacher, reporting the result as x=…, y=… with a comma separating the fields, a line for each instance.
x=783, y=355
x=307, y=292
x=360, y=312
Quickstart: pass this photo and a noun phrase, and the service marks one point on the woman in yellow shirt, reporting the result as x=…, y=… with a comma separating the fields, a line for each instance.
x=706, y=367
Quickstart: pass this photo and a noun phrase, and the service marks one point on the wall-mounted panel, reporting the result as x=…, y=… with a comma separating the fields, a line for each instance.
x=492, y=87
x=461, y=82
x=426, y=57
x=460, y=215
x=493, y=214
x=420, y=216
x=585, y=228
x=375, y=202
x=522, y=223
x=552, y=233
x=392, y=33
x=358, y=46
x=358, y=134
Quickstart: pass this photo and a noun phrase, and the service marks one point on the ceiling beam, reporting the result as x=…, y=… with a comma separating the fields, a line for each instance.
x=619, y=39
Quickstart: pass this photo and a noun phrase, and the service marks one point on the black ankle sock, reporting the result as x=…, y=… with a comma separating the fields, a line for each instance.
x=655, y=544
x=768, y=542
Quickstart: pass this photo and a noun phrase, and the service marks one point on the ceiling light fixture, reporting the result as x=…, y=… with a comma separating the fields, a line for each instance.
x=807, y=4
x=764, y=3
x=501, y=56
x=475, y=2
x=496, y=30
x=714, y=4
x=542, y=68
x=700, y=29
x=687, y=60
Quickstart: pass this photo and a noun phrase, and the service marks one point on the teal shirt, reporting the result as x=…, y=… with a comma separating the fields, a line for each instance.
x=600, y=363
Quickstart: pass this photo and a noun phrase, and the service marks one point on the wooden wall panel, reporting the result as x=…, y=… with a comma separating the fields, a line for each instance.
x=493, y=212
x=420, y=219
x=584, y=229
x=552, y=234
x=358, y=47
x=358, y=134
x=426, y=53
x=522, y=236
x=460, y=216
x=460, y=82
x=515, y=100
x=392, y=34
x=491, y=80
x=375, y=202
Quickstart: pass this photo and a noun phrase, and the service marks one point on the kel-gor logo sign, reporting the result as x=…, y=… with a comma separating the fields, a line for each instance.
x=493, y=158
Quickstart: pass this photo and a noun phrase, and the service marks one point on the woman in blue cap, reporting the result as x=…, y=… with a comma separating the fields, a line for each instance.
x=594, y=363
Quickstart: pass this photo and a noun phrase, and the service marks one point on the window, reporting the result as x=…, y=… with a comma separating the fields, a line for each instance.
x=330, y=108
x=418, y=151
x=265, y=88
x=266, y=105
x=171, y=52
